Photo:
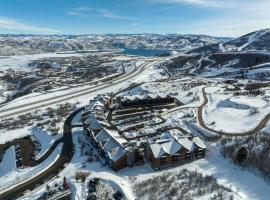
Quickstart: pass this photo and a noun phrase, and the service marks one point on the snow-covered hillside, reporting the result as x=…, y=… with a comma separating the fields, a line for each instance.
x=230, y=65
x=255, y=41
x=17, y=45
x=244, y=57
x=234, y=114
x=259, y=40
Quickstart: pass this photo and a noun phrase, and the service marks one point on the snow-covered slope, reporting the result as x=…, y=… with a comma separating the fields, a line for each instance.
x=259, y=40
x=234, y=113
x=255, y=41
x=244, y=57
x=29, y=44
x=229, y=64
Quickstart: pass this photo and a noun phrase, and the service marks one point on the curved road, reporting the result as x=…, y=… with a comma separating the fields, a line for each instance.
x=65, y=157
x=67, y=149
x=255, y=130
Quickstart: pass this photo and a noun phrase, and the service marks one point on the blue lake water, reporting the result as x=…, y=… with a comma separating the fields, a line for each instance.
x=145, y=52
x=134, y=52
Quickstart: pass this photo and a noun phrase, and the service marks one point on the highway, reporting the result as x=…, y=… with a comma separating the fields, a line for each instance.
x=8, y=112
x=68, y=148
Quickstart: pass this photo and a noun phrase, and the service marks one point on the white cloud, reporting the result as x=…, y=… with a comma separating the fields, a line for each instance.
x=232, y=17
x=208, y=3
x=109, y=14
x=12, y=24
x=99, y=12
x=81, y=11
x=223, y=27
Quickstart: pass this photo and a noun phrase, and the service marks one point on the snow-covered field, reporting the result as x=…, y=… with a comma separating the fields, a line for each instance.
x=2, y=95
x=8, y=164
x=235, y=114
x=45, y=139
x=246, y=184
x=267, y=128
x=9, y=174
x=13, y=176
x=21, y=62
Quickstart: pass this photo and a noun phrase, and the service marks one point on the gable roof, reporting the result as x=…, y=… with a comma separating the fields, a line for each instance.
x=142, y=97
x=95, y=125
x=171, y=142
x=166, y=144
x=186, y=143
x=116, y=153
x=112, y=143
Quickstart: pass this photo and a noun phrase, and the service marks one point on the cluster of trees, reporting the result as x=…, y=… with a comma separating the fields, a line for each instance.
x=252, y=152
x=256, y=86
x=249, y=93
x=253, y=89
x=50, y=119
x=182, y=185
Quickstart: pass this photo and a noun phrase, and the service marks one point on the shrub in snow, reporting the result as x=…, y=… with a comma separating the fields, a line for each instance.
x=249, y=151
x=80, y=175
x=182, y=185
x=241, y=155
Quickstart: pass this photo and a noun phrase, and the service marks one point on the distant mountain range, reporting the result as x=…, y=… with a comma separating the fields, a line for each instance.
x=33, y=44
x=244, y=57
x=255, y=41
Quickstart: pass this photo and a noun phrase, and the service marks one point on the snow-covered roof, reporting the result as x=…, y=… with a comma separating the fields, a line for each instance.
x=95, y=122
x=94, y=112
x=165, y=144
x=103, y=98
x=186, y=143
x=117, y=137
x=107, y=97
x=199, y=142
x=141, y=97
x=170, y=143
x=168, y=147
x=116, y=153
x=98, y=103
x=90, y=119
x=102, y=136
x=95, y=125
x=111, y=143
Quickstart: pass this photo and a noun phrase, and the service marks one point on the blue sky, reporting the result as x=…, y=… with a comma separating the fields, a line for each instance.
x=212, y=17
